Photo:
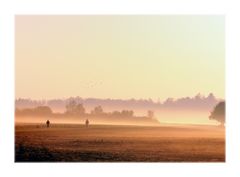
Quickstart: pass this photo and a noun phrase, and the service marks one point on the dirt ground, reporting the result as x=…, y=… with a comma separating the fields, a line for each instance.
x=111, y=143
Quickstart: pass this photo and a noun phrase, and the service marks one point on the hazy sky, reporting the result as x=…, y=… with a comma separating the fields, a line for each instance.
x=119, y=56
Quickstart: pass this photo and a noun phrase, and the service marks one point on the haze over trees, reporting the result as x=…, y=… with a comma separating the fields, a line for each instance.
x=198, y=102
x=74, y=108
x=150, y=114
x=98, y=110
x=38, y=111
x=194, y=109
x=77, y=111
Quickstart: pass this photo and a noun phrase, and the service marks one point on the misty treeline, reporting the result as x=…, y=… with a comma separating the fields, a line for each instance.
x=75, y=109
x=198, y=102
x=218, y=113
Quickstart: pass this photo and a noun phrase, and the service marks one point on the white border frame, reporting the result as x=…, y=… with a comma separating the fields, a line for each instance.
x=10, y=8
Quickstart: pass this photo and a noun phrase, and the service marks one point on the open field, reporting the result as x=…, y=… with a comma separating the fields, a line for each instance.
x=111, y=143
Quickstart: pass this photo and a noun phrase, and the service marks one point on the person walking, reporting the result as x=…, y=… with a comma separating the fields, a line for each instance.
x=48, y=123
x=87, y=123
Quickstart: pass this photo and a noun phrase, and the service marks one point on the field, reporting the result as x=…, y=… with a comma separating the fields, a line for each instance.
x=111, y=143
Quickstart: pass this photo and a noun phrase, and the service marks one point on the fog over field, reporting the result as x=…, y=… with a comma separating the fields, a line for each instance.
x=120, y=88
x=187, y=110
x=181, y=130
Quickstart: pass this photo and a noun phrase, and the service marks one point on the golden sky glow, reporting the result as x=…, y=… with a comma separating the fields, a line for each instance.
x=119, y=56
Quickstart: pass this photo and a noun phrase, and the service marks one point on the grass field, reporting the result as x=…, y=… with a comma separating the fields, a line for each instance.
x=110, y=143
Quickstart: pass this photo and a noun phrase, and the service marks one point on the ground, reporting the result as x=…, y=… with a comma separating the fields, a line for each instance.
x=111, y=143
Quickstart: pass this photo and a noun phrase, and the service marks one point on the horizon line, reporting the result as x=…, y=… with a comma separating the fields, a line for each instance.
x=125, y=99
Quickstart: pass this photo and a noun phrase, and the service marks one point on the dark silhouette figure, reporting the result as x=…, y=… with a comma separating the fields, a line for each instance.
x=48, y=123
x=87, y=123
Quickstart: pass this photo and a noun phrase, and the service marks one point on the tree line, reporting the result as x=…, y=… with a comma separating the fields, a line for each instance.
x=77, y=109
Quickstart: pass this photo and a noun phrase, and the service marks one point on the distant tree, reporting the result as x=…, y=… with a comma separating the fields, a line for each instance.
x=42, y=110
x=218, y=113
x=150, y=114
x=116, y=114
x=169, y=102
x=74, y=109
x=127, y=113
x=123, y=114
x=97, y=111
x=71, y=106
x=39, y=110
x=26, y=111
x=79, y=109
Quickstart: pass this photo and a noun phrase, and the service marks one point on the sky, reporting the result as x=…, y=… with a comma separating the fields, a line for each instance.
x=119, y=56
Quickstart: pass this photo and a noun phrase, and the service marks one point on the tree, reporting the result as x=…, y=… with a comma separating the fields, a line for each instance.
x=127, y=113
x=75, y=109
x=70, y=106
x=97, y=111
x=42, y=110
x=116, y=114
x=80, y=110
x=218, y=113
x=150, y=114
